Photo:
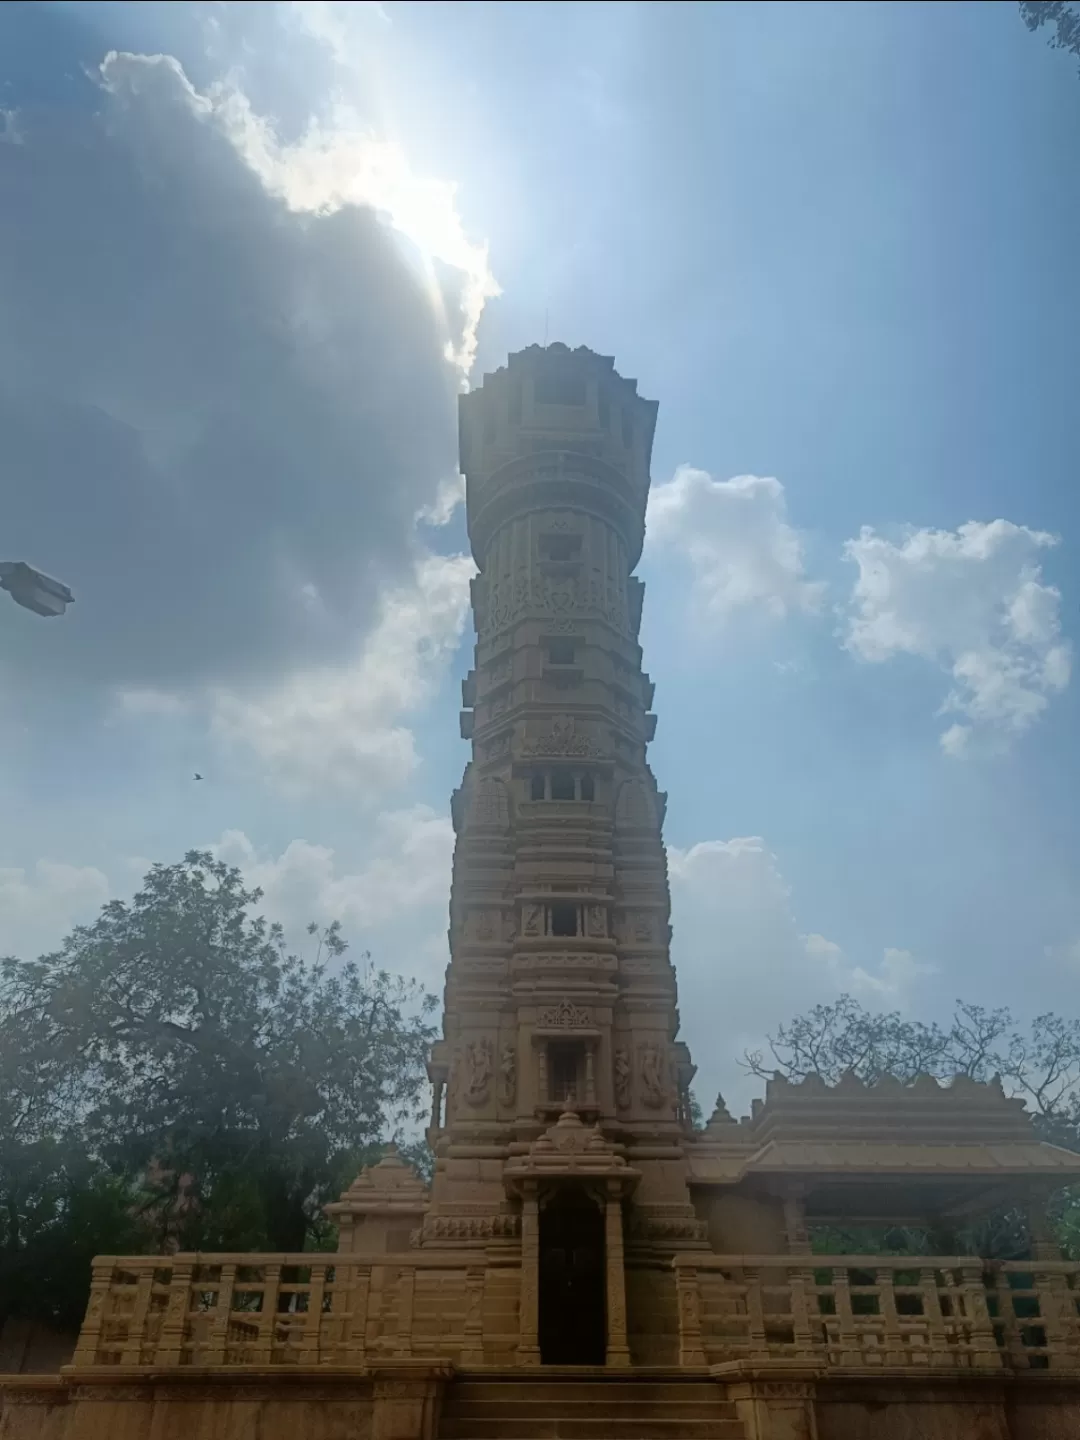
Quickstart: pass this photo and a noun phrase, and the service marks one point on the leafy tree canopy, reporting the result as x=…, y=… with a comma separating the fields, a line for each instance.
x=1061, y=14
x=174, y=1075
x=1040, y=1063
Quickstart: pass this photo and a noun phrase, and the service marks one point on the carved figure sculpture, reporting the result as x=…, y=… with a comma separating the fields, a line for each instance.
x=479, y=1062
x=623, y=1079
x=652, y=1076
x=532, y=920
x=507, y=1076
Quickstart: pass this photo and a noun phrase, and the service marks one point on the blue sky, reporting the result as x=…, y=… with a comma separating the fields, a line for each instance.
x=835, y=241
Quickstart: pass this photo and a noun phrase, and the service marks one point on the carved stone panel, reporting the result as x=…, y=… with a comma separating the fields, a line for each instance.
x=508, y=1076
x=623, y=1079
x=651, y=1075
x=565, y=1016
x=563, y=738
x=532, y=921
x=479, y=1064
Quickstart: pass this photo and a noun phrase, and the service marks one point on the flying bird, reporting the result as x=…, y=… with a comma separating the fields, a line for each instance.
x=197, y=775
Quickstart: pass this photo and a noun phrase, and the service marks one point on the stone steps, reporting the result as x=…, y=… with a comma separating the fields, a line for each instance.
x=622, y=1408
x=571, y=1409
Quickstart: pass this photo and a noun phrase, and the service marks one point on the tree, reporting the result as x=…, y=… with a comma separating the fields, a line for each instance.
x=230, y=1085
x=1041, y=1065
x=1065, y=18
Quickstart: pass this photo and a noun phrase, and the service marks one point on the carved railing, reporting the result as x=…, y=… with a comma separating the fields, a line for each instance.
x=838, y=1311
x=859, y=1311
x=203, y=1310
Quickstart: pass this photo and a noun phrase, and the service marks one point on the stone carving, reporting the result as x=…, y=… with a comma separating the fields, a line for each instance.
x=635, y=807
x=652, y=1076
x=472, y=1227
x=562, y=739
x=623, y=1080
x=498, y=747
x=643, y=926
x=565, y=1016
x=508, y=1076
x=479, y=1062
x=662, y=1227
x=596, y=920
x=485, y=929
x=532, y=920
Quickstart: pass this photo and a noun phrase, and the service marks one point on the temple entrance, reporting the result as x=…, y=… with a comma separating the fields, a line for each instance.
x=572, y=1280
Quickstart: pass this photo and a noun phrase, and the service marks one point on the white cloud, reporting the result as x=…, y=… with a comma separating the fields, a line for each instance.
x=10, y=129
x=735, y=533
x=340, y=162
x=338, y=727
x=972, y=601
x=393, y=903
x=39, y=907
x=342, y=726
x=743, y=966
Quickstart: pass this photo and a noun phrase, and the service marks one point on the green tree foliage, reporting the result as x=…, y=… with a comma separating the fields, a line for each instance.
x=1041, y=1064
x=1061, y=14
x=173, y=1075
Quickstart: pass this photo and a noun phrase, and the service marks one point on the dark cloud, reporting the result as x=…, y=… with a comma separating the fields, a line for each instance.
x=207, y=401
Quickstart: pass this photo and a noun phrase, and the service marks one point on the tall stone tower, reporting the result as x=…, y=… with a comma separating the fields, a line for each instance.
x=560, y=993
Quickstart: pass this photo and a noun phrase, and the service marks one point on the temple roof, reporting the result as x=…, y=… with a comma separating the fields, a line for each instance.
x=388, y=1187
x=573, y=1151
x=963, y=1129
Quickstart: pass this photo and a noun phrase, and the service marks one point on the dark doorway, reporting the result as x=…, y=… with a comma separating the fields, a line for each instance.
x=572, y=1280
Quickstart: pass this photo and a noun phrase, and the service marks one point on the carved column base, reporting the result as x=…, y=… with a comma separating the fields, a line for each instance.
x=407, y=1400
x=774, y=1401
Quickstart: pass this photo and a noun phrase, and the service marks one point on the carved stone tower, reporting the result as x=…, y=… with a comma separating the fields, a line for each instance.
x=560, y=993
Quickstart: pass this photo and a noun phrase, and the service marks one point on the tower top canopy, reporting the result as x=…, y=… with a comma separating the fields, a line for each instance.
x=548, y=409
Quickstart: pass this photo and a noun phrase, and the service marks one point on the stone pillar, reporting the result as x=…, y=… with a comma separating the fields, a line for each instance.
x=529, y=1310
x=590, y=1073
x=798, y=1238
x=618, y=1351
x=1044, y=1245
x=436, y=1105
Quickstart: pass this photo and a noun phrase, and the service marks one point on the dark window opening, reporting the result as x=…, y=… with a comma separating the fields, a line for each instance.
x=562, y=785
x=561, y=652
x=564, y=1067
x=588, y=788
x=536, y=787
x=559, y=390
x=605, y=410
x=564, y=919
x=560, y=547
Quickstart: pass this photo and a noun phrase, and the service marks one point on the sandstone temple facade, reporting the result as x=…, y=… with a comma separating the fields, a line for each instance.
x=585, y=1262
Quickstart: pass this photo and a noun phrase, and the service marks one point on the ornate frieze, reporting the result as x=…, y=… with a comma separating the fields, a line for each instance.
x=564, y=1016
x=563, y=738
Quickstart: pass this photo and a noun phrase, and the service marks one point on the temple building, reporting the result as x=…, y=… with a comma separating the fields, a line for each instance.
x=585, y=1262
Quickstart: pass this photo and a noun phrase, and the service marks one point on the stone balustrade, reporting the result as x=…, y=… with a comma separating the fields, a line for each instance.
x=268, y=1311
x=832, y=1313
x=874, y=1311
